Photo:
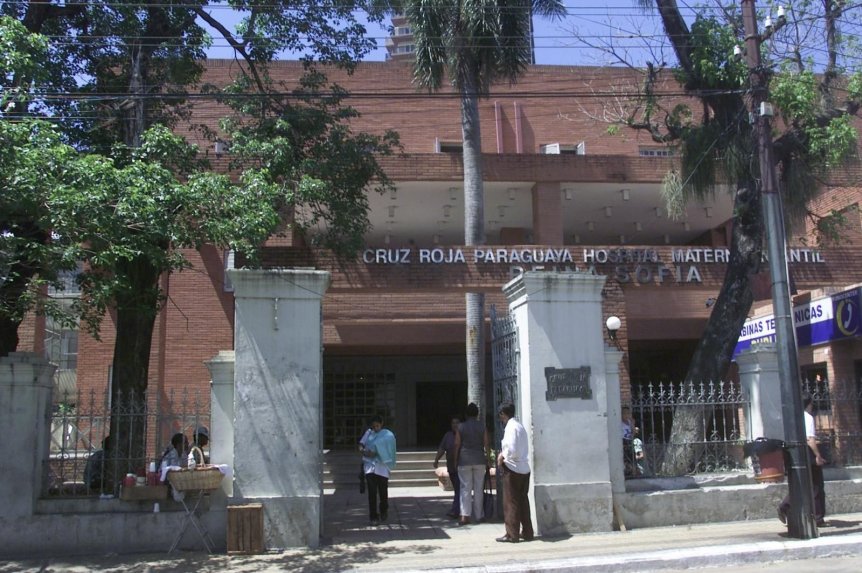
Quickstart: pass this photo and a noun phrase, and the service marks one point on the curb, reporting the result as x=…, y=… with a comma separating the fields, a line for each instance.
x=689, y=558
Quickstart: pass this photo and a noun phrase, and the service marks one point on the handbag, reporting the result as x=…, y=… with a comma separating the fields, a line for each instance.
x=488, y=505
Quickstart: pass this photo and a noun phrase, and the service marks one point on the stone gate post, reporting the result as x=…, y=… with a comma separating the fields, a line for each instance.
x=758, y=376
x=564, y=398
x=25, y=404
x=278, y=418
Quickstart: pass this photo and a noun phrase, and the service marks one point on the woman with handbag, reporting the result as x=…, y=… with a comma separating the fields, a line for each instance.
x=471, y=455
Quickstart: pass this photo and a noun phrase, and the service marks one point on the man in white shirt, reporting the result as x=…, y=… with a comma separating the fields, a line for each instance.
x=817, y=462
x=514, y=463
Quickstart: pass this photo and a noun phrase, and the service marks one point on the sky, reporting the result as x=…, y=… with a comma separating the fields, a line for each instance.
x=595, y=22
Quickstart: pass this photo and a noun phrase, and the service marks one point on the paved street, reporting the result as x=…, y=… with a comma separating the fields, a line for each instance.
x=420, y=537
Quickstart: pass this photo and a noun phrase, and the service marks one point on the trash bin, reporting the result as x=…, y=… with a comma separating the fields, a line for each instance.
x=767, y=458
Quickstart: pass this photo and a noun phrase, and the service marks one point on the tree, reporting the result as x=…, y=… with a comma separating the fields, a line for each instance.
x=474, y=44
x=33, y=158
x=815, y=89
x=148, y=192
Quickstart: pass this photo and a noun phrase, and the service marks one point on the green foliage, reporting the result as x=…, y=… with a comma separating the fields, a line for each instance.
x=713, y=64
x=474, y=42
x=795, y=95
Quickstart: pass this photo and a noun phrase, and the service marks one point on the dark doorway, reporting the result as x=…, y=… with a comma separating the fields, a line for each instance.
x=436, y=403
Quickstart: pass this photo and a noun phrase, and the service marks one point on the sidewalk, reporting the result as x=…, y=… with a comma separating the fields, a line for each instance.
x=420, y=537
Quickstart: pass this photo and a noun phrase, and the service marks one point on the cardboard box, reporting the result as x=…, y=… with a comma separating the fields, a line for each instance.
x=245, y=529
x=144, y=493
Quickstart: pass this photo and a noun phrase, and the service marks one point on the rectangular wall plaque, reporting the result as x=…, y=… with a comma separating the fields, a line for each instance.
x=568, y=383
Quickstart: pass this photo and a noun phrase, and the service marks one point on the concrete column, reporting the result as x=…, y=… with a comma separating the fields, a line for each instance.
x=278, y=400
x=615, y=430
x=547, y=214
x=758, y=376
x=25, y=409
x=222, y=438
x=559, y=318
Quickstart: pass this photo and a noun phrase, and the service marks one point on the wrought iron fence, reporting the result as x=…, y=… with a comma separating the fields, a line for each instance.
x=81, y=460
x=837, y=419
x=685, y=428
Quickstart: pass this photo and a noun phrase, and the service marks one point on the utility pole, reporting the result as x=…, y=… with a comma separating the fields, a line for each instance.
x=800, y=519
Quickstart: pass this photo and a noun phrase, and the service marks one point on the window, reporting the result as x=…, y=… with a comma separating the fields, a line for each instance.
x=656, y=152
x=405, y=49
x=449, y=146
x=563, y=149
x=403, y=31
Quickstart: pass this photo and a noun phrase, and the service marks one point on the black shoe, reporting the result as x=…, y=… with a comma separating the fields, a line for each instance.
x=361, y=487
x=782, y=515
x=823, y=523
x=375, y=522
x=384, y=516
x=530, y=538
x=506, y=539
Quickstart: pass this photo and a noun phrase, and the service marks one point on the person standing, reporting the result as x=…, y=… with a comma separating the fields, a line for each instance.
x=471, y=456
x=514, y=462
x=379, y=460
x=816, y=461
x=447, y=447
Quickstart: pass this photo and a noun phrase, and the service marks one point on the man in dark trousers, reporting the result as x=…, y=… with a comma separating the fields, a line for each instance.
x=514, y=462
x=816, y=461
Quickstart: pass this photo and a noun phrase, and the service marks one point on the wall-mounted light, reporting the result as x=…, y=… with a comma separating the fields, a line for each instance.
x=780, y=12
x=708, y=212
x=686, y=226
x=768, y=22
x=453, y=193
x=613, y=324
x=447, y=210
x=591, y=226
x=391, y=211
x=387, y=238
x=737, y=52
x=511, y=193
x=576, y=238
x=436, y=239
x=658, y=212
x=710, y=301
x=638, y=226
x=568, y=194
x=501, y=209
x=221, y=147
x=393, y=193
x=667, y=239
x=609, y=212
x=625, y=194
x=622, y=239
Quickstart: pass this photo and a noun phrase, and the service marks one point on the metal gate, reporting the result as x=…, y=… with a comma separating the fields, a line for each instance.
x=504, y=358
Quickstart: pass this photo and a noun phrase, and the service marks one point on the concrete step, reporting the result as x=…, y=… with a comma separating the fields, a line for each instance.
x=414, y=469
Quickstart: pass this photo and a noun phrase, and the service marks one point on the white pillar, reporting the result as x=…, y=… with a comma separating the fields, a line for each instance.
x=758, y=376
x=25, y=410
x=222, y=439
x=278, y=400
x=615, y=430
x=560, y=326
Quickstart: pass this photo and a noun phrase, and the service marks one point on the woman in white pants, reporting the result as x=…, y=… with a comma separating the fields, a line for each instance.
x=471, y=447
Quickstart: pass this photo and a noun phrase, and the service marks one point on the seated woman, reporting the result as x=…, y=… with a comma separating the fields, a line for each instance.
x=176, y=455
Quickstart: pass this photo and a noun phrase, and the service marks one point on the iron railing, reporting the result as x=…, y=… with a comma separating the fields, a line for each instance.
x=713, y=414
x=838, y=420
x=78, y=462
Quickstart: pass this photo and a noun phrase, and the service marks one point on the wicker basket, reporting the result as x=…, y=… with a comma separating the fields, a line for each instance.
x=194, y=479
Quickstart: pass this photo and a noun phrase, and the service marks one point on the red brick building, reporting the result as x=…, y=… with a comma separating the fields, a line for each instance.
x=561, y=192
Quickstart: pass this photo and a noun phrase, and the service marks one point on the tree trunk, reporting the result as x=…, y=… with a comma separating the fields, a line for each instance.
x=474, y=234
x=136, y=314
x=711, y=359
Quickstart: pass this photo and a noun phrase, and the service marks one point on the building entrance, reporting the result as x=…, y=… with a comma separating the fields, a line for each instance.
x=436, y=403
